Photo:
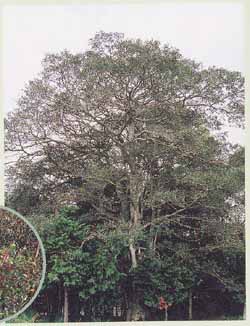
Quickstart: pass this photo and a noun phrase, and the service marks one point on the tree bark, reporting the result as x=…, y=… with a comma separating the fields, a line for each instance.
x=166, y=313
x=134, y=309
x=190, y=304
x=133, y=254
x=66, y=305
x=135, y=312
x=134, y=210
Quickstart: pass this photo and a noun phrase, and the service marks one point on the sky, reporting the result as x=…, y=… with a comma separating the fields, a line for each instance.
x=211, y=33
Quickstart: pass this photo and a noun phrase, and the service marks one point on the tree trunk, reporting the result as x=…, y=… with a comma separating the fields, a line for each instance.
x=166, y=313
x=133, y=254
x=135, y=312
x=129, y=314
x=59, y=301
x=66, y=306
x=244, y=312
x=190, y=305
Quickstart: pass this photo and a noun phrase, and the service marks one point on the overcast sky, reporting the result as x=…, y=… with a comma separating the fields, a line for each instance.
x=211, y=33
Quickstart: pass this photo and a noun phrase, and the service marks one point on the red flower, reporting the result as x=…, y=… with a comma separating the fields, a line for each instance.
x=163, y=305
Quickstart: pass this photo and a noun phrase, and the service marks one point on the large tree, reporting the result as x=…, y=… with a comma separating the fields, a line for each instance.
x=126, y=131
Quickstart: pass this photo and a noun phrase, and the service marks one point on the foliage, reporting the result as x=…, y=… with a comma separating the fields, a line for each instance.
x=20, y=264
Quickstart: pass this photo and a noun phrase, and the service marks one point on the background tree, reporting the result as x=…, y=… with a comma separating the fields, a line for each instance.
x=125, y=131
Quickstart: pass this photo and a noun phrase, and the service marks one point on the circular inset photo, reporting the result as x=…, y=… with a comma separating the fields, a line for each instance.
x=22, y=264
